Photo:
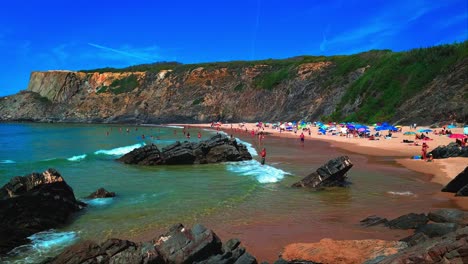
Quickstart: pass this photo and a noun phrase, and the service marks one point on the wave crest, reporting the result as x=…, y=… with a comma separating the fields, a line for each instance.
x=262, y=173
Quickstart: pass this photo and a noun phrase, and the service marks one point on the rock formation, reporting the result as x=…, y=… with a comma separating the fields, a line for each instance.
x=451, y=150
x=219, y=148
x=459, y=184
x=179, y=245
x=34, y=203
x=101, y=193
x=333, y=173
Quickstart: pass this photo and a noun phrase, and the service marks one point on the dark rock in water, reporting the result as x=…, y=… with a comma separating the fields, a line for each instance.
x=460, y=181
x=451, y=150
x=415, y=239
x=219, y=148
x=101, y=193
x=34, y=203
x=373, y=220
x=449, y=215
x=450, y=248
x=179, y=245
x=282, y=261
x=333, y=173
x=437, y=229
x=408, y=221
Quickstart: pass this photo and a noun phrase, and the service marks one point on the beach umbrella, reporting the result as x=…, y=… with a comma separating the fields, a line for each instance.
x=457, y=136
x=409, y=133
x=465, y=130
x=350, y=127
x=424, y=130
x=451, y=126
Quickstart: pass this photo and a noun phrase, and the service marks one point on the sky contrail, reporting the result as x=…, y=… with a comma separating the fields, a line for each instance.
x=120, y=52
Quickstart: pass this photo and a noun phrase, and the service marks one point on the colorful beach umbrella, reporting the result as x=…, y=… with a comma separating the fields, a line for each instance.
x=424, y=130
x=409, y=133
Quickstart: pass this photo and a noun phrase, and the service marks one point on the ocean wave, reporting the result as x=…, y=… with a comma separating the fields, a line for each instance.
x=97, y=202
x=42, y=245
x=262, y=173
x=175, y=126
x=407, y=193
x=249, y=146
x=77, y=158
x=120, y=150
x=7, y=161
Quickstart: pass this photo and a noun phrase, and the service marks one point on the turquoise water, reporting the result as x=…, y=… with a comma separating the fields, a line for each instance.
x=232, y=198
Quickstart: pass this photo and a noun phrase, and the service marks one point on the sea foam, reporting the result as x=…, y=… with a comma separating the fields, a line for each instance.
x=119, y=151
x=97, y=202
x=77, y=158
x=42, y=245
x=249, y=146
x=7, y=161
x=262, y=173
x=407, y=193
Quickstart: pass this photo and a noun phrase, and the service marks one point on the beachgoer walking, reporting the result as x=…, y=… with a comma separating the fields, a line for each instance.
x=424, y=150
x=263, y=155
x=302, y=137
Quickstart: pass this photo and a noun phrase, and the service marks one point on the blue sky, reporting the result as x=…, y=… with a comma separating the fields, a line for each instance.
x=47, y=35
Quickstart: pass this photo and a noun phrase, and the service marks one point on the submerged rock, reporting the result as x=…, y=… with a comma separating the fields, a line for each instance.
x=333, y=173
x=457, y=184
x=34, y=203
x=373, y=220
x=179, y=245
x=101, y=193
x=219, y=148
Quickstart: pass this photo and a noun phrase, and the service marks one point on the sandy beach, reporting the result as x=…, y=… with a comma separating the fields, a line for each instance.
x=443, y=170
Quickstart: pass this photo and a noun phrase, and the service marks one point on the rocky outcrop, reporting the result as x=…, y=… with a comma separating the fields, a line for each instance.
x=101, y=193
x=373, y=220
x=408, y=221
x=34, y=203
x=179, y=245
x=340, y=251
x=219, y=148
x=451, y=150
x=333, y=173
x=459, y=184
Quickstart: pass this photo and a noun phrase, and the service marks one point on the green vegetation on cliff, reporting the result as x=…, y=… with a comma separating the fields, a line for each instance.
x=395, y=77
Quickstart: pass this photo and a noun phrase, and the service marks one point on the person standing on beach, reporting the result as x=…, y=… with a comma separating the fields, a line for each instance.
x=302, y=138
x=424, y=150
x=263, y=155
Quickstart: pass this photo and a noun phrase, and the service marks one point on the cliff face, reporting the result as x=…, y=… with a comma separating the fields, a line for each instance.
x=256, y=91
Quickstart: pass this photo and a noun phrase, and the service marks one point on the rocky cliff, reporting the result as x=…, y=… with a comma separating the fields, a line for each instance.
x=340, y=87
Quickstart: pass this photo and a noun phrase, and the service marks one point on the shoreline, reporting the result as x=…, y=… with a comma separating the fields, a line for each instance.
x=442, y=170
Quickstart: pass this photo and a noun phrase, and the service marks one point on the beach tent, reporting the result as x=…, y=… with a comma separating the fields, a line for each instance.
x=451, y=126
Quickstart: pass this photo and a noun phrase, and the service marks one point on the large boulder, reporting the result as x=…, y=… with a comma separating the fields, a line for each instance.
x=34, y=203
x=451, y=150
x=450, y=248
x=373, y=220
x=449, y=215
x=101, y=193
x=219, y=148
x=179, y=245
x=408, y=221
x=456, y=184
x=437, y=229
x=333, y=173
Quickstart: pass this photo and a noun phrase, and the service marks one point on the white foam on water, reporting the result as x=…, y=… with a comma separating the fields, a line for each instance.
x=7, y=161
x=249, y=146
x=175, y=126
x=119, y=151
x=407, y=193
x=42, y=245
x=77, y=158
x=262, y=173
x=97, y=202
